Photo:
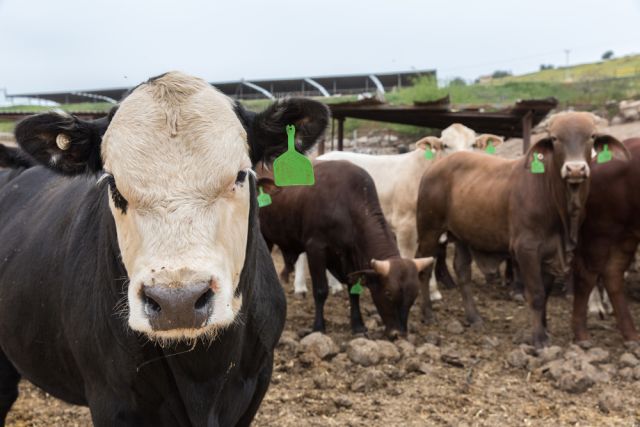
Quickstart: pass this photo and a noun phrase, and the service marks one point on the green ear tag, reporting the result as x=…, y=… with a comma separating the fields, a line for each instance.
x=490, y=148
x=605, y=155
x=291, y=167
x=356, y=289
x=264, y=199
x=428, y=154
x=536, y=165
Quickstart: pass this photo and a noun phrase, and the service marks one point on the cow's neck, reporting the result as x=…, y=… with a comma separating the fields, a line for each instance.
x=374, y=239
x=568, y=202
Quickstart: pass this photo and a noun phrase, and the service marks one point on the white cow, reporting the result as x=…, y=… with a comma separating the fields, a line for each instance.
x=397, y=177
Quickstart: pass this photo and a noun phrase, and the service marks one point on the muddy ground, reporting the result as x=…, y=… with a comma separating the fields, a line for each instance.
x=467, y=377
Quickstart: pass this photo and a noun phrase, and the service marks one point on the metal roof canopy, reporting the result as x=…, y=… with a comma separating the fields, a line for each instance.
x=514, y=121
x=255, y=89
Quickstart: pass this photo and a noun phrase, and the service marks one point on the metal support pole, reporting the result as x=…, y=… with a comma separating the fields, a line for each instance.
x=333, y=125
x=526, y=131
x=340, y=133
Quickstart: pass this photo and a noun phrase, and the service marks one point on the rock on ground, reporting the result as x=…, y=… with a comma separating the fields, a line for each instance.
x=319, y=344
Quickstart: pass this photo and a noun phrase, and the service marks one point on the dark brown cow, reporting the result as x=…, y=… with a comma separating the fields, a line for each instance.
x=608, y=240
x=338, y=222
x=498, y=206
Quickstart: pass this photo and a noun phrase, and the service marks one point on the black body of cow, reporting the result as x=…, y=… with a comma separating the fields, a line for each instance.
x=60, y=253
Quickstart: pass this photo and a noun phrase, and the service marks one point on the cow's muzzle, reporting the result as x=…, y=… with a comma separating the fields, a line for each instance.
x=178, y=305
x=575, y=172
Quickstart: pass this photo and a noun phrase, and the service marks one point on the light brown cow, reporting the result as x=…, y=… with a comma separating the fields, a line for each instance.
x=500, y=207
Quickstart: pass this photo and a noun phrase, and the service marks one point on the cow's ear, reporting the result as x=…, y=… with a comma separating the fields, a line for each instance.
x=266, y=130
x=618, y=149
x=63, y=142
x=268, y=186
x=482, y=141
x=543, y=148
x=432, y=142
x=367, y=277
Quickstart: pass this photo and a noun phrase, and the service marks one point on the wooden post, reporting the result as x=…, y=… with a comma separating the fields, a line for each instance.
x=333, y=125
x=526, y=131
x=340, y=133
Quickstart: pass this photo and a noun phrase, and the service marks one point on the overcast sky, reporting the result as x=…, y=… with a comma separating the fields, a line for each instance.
x=52, y=45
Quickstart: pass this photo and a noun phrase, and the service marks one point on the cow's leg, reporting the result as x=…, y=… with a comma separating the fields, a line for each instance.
x=462, y=265
x=548, y=280
x=9, y=379
x=110, y=410
x=515, y=281
x=334, y=284
x=583, y=283
x=427, y=246
x=529, y=269
x=619, y=261
x=357, y=325
x=299, y=281
x=443, y=276
x=317, y=267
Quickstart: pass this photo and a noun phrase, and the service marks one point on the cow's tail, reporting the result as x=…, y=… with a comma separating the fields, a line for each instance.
x=442, y=270
x=14, y=158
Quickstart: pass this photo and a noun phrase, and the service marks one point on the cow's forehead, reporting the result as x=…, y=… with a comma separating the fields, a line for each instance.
x=175, y=127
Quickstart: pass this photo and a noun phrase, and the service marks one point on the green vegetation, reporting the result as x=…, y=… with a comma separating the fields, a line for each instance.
x=6, y=126
x=84, y=106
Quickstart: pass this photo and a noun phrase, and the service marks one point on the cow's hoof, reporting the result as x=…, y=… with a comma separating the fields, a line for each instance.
x=300, y=295
x=540, y=342
x=429, y=319
x=435, y=295
x=477, y=324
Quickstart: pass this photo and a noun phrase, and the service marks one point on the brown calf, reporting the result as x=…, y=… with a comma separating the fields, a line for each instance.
x=498, y=206
x=608, y=240
x=338, y=222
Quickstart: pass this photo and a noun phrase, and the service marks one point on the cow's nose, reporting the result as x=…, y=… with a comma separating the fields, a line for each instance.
x=177, y=305
x=575, y=171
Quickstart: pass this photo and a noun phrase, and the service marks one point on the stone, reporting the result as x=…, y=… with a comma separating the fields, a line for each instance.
x=369, y=380
x=322, y=380
x=636, y=373
x=429, y=351
x=597, y=355
x=454, y=327
x=289, y=341
x=609, y=402
x=393, y=372
x=452, y=357
x=626, y=373
x=320, y=344
x=342, y=402
x=432, y=338
x=490, y=342
x=554, y=369
x=517, y=358
x=528, y=349
x=406, y=348
x=628, y=360
x=371, y=325
x=548, y=354
x=363, y=352
x=388, y=351
x=609, y=368
x=575, y=382
x=414, y=364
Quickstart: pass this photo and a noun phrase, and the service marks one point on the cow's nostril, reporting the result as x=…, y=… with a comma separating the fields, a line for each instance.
x=204, y=299
x=152, y=305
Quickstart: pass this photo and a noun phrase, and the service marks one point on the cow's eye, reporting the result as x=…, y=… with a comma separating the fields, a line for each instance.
x=240, y=178
x=118, y=200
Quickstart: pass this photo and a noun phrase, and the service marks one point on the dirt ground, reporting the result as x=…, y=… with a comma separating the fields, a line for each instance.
x=474, y=382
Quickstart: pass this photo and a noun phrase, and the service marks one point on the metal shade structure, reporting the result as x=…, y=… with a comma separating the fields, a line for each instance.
x=514, y=121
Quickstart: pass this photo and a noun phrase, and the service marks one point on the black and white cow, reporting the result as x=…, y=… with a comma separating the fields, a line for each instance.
x=136, y=281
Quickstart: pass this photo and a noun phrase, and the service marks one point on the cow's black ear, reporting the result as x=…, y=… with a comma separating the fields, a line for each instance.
x=63, y=142
x=266, y=130
x=11, y=157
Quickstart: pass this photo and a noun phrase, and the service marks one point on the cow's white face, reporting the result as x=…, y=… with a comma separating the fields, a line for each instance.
x=180, y=197
x=457, y=137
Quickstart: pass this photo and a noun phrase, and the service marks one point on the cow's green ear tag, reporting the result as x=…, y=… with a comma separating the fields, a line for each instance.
x=356, y=289
x=605, y=155
x=291, y=167
x=428, y=153
x=536, y=165
x=490, y=148
x=264, y=199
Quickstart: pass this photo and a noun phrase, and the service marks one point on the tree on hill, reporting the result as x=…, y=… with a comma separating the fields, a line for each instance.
x=546, y=67
x=607, y=55
x=501, y=73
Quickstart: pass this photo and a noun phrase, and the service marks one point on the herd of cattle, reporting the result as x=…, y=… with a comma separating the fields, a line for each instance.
x=135, y=268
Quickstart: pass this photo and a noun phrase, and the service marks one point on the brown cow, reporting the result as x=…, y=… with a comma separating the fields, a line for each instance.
x=338, y=222
x=608, y=240
x=499, y=206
